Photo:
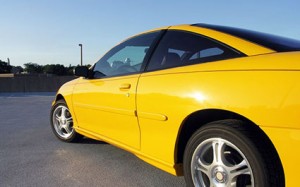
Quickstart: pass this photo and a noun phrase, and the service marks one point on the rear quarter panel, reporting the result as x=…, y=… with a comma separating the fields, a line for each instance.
x=265, y=89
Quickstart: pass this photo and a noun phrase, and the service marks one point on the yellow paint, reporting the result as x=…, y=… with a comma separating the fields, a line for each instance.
x=103, y=108
x=143, y=113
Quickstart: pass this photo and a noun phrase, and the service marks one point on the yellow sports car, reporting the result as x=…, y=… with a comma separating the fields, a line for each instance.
x=219, y=105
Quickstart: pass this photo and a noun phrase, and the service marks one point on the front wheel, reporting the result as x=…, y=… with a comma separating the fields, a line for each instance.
x=62, y=123
x=226, y=153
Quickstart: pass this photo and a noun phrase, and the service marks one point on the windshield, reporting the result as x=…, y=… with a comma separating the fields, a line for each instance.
x=276, y=43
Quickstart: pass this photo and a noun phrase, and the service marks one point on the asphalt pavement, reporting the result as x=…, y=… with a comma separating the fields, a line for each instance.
x=30, y=154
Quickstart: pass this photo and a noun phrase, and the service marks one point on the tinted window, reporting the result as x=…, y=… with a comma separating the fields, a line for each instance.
x=273, y=42
x=179, y=48
x=126, y=58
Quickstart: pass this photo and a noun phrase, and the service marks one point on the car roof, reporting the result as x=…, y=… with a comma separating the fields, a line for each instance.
x=276, y=43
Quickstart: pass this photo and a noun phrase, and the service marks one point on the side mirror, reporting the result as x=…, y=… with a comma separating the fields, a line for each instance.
x=81, y=71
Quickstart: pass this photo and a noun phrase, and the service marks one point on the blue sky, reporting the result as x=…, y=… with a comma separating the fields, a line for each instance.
x=49, y=31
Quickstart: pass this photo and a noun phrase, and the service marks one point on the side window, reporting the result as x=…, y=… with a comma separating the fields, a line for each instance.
x=126, y=58
x=178, y=48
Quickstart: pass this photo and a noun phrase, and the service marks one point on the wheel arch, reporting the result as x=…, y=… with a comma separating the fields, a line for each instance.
x=199, y=118
x=59, y=97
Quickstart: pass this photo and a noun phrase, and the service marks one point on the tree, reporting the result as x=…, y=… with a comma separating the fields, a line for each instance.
x=17, y=69
x=56, y=69
x=70, y=70
x=49, y=69
x=33, y=68
x=4, y=67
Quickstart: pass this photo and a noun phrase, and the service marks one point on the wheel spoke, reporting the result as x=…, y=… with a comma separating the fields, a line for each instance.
x=69, y=120
x=67, y=129
x=241, y=168
x=57, y=117
x=63, y=112
x=59, y=126
x=237, y=170
x=201, y=166
x=218, y=152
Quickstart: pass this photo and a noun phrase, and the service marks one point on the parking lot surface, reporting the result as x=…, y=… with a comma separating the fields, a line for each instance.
x=30, y=154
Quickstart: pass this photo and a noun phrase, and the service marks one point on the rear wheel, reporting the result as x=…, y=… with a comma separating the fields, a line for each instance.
x=226, y=153
x=62, y=123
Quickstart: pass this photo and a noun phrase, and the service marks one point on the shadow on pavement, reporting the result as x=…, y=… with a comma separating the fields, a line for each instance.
x=90, y=141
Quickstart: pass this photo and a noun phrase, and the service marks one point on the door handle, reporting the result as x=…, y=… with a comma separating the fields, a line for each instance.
x=125, y=86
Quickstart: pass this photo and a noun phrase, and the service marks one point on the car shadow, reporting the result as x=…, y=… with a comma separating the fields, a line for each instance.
x=90, y=141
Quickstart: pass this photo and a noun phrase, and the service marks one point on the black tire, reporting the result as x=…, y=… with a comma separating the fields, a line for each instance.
x=235, y=141
x=62, y=123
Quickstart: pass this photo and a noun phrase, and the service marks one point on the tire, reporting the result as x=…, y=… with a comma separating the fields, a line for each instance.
x=231, y=153
x=62, y=123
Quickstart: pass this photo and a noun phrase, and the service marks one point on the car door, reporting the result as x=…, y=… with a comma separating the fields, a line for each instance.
x=105, y=104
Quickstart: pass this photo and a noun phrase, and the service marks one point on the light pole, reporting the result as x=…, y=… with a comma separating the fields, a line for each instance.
x=80, y=45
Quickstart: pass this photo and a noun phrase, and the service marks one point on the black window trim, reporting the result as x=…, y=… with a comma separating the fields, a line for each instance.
x=152, y=49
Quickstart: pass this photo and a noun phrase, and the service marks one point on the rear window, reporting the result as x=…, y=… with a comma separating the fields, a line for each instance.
x=179, y=48
x=276, y=43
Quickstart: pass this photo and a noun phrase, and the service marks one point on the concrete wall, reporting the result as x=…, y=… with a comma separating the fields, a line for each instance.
x=33, y=83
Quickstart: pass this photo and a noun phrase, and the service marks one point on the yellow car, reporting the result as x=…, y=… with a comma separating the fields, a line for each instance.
x=219, y=105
